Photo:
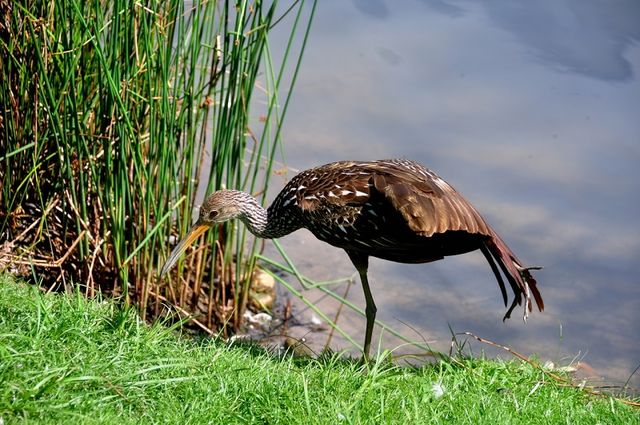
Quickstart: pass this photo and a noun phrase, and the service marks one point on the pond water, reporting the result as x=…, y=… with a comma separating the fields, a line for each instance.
x=532, y=111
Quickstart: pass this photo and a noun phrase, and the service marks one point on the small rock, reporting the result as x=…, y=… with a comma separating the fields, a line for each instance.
x=261, y=320
x=262, y=293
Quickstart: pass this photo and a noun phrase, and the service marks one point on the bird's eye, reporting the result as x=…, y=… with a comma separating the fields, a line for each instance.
x=213, y=214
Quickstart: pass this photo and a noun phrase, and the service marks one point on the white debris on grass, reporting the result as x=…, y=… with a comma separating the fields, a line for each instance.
x=438, y=389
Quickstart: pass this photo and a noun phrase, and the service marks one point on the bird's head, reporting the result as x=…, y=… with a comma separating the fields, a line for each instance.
x=218, y=207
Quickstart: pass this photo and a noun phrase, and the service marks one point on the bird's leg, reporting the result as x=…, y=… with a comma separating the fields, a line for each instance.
x=361, y=263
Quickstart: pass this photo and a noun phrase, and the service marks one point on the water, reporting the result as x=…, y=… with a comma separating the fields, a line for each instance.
x=532, y=111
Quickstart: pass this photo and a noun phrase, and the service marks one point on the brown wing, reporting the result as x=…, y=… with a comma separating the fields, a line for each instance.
x=344, y=183
x=428, y=204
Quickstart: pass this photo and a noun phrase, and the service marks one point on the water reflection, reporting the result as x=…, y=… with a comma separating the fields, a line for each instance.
x=530, y=110
x=588, y=38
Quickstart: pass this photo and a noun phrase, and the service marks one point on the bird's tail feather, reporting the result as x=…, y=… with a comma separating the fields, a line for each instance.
x=518, y=276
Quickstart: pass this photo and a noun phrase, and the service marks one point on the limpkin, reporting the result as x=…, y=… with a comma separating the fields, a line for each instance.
x=392, y=209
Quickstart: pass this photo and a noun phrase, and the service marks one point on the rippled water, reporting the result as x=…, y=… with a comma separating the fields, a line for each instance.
x=532, y=111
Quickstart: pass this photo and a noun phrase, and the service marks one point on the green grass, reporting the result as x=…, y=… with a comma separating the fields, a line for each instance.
x=66, y=359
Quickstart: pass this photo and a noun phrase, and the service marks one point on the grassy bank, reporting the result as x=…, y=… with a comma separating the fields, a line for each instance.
x=63, y=359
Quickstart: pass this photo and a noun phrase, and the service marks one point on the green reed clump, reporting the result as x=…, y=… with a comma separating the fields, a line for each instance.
x=112, y=115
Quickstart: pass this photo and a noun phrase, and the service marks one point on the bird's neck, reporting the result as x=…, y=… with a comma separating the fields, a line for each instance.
x=263, y=223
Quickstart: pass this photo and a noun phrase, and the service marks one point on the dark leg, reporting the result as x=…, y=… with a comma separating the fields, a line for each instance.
x=361, y=262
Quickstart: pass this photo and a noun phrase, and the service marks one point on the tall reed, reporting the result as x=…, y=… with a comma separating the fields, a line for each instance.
x=113, y=115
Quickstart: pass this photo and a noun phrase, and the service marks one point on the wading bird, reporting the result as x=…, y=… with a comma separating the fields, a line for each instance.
x=392, y=209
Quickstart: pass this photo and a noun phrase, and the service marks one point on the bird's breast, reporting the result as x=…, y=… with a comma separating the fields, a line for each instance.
x=366, y=227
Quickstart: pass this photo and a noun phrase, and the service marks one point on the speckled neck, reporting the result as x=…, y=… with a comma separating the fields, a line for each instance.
x=264, y=223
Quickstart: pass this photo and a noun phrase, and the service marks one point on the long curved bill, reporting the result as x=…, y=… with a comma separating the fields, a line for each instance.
x=196, y=230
